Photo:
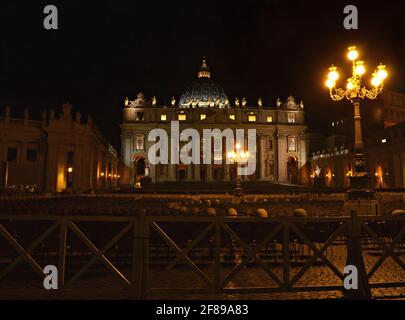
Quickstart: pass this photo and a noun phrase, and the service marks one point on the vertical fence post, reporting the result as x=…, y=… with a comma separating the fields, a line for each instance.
x=286, y=256
x=145, y=257
x=355, y=258
x=62, y=253
x=217, y=254
x=137, y=255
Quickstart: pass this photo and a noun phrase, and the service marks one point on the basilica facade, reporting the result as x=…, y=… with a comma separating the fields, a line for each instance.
x=281, y=142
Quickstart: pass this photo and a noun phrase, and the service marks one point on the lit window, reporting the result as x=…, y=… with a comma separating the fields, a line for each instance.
x=232, y=116
x=384, y=141
x=202, y=116
x=139, y=142
x=182, y=117
x=139, y=116
x=291, y=118
x=163, y=117
x=292, y=144
x=252, y=118
x=269, y=118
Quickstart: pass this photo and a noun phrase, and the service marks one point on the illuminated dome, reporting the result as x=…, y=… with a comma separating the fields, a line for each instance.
x=204, y=93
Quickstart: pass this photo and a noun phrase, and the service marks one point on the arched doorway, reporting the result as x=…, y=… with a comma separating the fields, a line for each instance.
x=292, y=169
x=140, y=166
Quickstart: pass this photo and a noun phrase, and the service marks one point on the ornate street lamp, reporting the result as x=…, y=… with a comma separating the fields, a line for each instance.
x=238, y=157
x=355, y=91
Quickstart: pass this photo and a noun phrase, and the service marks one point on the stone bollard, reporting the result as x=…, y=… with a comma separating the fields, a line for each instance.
x=262, y=213
x=232, y=212
x=300, y=212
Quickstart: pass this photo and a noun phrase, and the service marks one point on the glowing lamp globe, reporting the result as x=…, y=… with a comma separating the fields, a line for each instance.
x=376, y=81
x=333, y=74
x=382, y=73
x=330, y=83
x=360, y=69
x=353, y=54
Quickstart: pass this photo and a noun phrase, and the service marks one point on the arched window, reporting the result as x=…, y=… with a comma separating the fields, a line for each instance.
x=291, y=117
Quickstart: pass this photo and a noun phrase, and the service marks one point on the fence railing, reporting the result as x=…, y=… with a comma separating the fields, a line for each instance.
x=183, y=235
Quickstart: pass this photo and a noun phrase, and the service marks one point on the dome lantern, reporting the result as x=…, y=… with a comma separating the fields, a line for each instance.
x=204, y=70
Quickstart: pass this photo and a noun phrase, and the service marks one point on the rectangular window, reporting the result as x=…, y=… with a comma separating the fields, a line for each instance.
x=163, y=117
x=291, y=118
x=182, y=117
x=31, y=155
x=292, y=144
x=232, y=116
x=202, y=116
x=269, y=118
x=270, y=145
x=252, y=118
x=11, y=154
x=139, y=116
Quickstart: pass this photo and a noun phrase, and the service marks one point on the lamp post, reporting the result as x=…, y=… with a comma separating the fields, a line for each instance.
x=238, y=157
x=355, y=92
x=69, y=178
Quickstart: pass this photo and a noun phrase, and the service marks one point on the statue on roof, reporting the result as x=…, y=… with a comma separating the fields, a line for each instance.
x=67, y=110
x=291, y=104
x=301, y=104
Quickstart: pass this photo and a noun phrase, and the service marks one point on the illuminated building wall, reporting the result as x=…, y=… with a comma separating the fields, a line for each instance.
x=55, y=154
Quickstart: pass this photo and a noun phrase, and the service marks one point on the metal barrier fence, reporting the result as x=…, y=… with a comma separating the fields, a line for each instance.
x=142, y=231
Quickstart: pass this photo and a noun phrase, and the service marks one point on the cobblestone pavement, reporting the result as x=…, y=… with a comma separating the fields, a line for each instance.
x=98, y=285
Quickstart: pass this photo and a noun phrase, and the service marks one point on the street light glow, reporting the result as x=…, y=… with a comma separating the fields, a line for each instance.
x=353, y=54
x=360, y=68
x=382, y=73
x=330, y=83
x=333, y=74
x=354, y=87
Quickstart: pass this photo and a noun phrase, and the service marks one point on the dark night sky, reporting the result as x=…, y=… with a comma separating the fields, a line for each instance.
x=107, y=50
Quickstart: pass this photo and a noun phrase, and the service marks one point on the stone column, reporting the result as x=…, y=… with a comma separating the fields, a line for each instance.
x=403, y=170
x=275, y=157
x=196, y=168
x=226, y=172
x=282, y=158
x=260, y=157
x=302, y=148
x=127, y=150
x=50, y=179
x=225, y=166
x=190, y=169
x=209, y=172
x=172, y=168
x=78, y=168
x=397, y=174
